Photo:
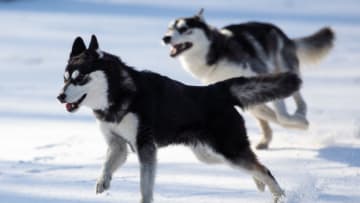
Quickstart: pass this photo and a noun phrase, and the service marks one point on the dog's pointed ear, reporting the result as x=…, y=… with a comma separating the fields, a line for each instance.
x=78, y=47
x=94, y=45
x=200, y=14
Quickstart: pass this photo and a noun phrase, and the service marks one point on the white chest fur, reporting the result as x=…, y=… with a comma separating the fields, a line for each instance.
x=218, y=72
x=127, y=128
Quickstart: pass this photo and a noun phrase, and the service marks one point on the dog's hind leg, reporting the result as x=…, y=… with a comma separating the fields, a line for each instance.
x=266, y=134
x=300, y=103
x=286, y=61
x=279, y=116
x=115, y=157
x=205, y=154
x=291, y=121
x=260, y=173
x=264, y=112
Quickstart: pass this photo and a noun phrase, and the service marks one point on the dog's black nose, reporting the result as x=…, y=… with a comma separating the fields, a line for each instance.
x=61, y=97
x=166, y=39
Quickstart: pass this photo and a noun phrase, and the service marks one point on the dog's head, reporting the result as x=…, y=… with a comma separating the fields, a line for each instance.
x=186, y=34
x=86, y=80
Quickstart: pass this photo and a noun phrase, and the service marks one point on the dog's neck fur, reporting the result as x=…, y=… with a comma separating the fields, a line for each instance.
x=117, y=105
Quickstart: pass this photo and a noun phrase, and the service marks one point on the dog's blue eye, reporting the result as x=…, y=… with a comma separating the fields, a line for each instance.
x=82, y=79
x=182, y=29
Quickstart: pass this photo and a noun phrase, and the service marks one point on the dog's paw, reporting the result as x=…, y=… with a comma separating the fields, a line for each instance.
x=303, y=120
x=146, y=201
x=103, y=183
x=280, y=199
x=296, y=121
x=262, y=145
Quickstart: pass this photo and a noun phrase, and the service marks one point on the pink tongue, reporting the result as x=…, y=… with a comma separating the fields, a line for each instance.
x=68, y=106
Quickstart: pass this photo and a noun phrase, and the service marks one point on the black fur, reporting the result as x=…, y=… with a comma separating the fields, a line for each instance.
x=239, y=48
x=323, y=38
x=78, y=47
x=257, y=90
x=260, y=31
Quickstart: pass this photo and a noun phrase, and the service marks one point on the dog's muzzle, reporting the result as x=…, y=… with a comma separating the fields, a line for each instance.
x=71, y=106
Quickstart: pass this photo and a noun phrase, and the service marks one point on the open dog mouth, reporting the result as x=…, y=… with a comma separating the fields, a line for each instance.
x=179, y=48
x=71, y=107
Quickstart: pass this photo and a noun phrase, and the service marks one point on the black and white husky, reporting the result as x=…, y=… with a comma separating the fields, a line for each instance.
x=249, y=49
x=146, y=111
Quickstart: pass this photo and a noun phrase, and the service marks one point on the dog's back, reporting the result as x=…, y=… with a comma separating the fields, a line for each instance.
x=269, y=44
x=176, y=108
x=246, y=33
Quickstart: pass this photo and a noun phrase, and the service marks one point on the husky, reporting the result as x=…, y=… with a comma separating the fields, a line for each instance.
x=145, y=111
x=249, y=49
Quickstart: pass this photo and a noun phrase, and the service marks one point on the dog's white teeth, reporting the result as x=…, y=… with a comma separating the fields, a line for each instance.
x=173, y=51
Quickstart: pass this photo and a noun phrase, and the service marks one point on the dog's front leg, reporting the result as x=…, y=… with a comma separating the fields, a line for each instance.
x=115, y=157
x=147, y=157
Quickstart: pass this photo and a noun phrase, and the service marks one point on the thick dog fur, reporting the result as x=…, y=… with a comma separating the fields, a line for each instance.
x=146, y=111
x=248, y=49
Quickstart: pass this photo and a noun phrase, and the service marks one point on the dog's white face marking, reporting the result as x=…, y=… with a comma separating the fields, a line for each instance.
x=181, y=24
x=74, y=93
x=183, y=38
x=127, y=128
x=66, y=75
x=95, y=91
x=75, y=74
x=198, y=38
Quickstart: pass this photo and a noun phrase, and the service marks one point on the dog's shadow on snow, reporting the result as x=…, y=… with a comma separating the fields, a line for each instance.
x=341, y=154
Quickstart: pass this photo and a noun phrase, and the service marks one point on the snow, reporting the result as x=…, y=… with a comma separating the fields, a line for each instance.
x=48, y=155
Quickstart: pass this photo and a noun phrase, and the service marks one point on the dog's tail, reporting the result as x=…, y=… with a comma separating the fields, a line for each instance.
x=247, y=92
x=313, y=48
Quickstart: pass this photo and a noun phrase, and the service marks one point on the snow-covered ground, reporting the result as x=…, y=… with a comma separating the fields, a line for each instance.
x=48, y=155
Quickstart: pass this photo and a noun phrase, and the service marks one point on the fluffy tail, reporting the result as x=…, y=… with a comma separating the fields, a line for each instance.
x=247, y=92
x=313, y=48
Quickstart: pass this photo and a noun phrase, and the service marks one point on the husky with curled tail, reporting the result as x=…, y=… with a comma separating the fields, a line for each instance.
x=249, y=49
x=145, y=111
